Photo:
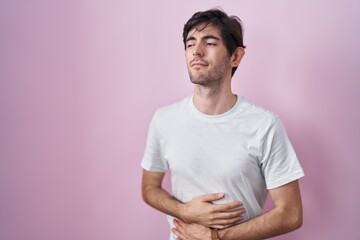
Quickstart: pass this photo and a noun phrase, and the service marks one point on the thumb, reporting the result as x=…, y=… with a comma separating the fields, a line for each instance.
x=211, y=197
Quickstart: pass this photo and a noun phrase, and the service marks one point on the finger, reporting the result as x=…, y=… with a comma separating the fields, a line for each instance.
x=228, y=219
x=229, y=215
x=177, y=233
x=211, y=197
x=221, y=226
x=227, y=206
x=226, y=222
x=173, y=230
x=178, y=223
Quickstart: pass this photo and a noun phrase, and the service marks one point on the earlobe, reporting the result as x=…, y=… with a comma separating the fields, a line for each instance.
x=237, y=56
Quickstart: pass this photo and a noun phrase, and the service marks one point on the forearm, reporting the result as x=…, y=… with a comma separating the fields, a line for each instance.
x=161, y=200
x=273, y=223
x=199, y=210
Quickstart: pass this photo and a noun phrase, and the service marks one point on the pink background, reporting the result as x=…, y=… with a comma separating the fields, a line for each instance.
x=80, y=80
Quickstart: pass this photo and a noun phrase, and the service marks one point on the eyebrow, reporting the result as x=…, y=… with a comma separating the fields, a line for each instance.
x=210, y=36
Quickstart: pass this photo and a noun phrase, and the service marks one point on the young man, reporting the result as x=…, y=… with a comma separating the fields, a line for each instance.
x=225, y=154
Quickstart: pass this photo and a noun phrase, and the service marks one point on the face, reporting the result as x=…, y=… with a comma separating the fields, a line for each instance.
x=207, y=58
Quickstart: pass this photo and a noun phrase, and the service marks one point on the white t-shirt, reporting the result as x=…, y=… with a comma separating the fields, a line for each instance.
x=242, y=153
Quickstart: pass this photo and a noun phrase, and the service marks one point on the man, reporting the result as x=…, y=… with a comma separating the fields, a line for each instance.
x=225, y=154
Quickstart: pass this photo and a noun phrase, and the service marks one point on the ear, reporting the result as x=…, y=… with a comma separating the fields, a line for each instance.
x=237, y=56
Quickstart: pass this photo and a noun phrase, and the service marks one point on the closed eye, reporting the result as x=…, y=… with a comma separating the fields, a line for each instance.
x=211, y=44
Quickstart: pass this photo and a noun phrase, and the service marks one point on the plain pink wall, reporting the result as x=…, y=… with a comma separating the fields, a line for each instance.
x=80, y=80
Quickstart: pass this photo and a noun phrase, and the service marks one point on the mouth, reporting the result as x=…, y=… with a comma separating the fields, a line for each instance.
x=198, y=64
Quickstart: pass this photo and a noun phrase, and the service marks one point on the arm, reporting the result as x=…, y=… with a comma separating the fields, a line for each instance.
x=200, y=210
x=286, y=216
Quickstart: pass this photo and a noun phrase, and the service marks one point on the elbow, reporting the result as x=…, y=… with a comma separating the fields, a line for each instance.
x=296, y=224
x=292, y=219
x=147, y=194
x=296, y=221
x=144, y=195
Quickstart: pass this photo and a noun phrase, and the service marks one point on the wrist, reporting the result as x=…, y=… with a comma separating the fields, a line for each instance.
x=182, y=211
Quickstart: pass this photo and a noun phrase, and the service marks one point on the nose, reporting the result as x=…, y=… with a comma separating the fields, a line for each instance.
x=198, y=51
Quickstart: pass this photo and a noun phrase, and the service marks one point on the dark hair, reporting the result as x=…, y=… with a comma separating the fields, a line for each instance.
x=230, y=27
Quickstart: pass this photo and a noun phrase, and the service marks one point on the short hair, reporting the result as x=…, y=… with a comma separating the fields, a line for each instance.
x=231, y=28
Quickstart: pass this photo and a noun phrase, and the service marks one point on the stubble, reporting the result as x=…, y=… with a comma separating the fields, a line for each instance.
x=210, y=82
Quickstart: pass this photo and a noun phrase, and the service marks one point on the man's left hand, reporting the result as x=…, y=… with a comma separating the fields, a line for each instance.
x=192, y=231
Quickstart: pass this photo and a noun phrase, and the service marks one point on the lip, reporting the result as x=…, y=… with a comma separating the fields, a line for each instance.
x=199, y=64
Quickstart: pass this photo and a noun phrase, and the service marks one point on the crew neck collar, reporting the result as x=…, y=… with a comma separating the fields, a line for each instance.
x=219, y=117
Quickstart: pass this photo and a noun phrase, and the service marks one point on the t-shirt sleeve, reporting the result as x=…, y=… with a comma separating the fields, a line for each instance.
x=153, y=159
x=279, y=162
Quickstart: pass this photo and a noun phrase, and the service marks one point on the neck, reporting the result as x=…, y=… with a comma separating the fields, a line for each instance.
x=214, y=100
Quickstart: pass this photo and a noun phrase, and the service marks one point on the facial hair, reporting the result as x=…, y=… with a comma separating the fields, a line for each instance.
x=213, y=76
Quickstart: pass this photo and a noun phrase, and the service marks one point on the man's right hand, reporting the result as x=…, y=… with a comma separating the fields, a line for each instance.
x=202, y=211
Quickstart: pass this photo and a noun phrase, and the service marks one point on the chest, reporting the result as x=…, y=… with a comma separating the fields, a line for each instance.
x=219, y=150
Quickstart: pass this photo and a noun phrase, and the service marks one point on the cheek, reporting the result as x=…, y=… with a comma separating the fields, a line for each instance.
x=188, y=56
x=188, y=61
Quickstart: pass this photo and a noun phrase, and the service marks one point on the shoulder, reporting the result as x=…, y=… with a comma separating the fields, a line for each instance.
x=256, y=114
x=172, y=111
